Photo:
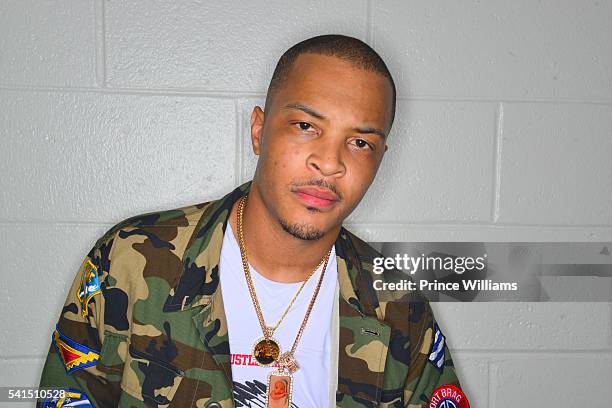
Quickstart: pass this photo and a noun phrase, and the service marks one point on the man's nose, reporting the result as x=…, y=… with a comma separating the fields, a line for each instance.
x=326, y=158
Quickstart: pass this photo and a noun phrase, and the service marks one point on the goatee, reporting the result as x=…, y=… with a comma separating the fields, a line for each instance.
x=302, y=231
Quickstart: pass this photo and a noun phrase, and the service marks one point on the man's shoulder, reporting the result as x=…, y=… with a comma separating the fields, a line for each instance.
x=180, y=219
x=189, y=214
x=144, y=254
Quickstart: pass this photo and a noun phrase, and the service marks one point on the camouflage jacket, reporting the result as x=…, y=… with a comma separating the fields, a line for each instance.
x=144, y=324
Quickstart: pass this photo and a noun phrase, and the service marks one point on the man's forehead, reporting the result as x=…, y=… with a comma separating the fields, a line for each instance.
x=326, y=83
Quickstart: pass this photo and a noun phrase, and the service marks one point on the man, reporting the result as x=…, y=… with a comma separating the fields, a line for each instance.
x=262, y=297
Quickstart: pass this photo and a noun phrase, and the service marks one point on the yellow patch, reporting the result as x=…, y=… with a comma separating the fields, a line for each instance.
x=426, y=342
x=89, y=287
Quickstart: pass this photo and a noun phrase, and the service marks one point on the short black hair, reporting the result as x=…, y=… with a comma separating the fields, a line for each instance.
x=344, y=47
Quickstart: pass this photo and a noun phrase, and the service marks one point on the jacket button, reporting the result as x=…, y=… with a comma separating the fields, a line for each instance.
x=213, y=405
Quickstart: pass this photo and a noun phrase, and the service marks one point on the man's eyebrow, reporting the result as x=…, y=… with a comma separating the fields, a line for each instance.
x=306, y=109
x=375, y=131
x=314, y=113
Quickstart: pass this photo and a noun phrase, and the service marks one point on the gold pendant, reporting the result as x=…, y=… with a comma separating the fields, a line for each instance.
x=280, y=389
x=287, y=362
x=266, y=351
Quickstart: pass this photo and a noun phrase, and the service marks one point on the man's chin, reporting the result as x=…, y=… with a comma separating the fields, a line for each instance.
x=302, y=230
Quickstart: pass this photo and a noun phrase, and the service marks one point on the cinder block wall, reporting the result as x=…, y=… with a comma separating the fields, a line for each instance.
x=114, y=108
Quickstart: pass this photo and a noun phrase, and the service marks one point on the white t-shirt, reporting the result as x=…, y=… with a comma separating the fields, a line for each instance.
x=311, y=383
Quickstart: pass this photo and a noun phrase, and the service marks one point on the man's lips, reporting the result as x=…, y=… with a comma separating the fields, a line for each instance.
x=316, y=197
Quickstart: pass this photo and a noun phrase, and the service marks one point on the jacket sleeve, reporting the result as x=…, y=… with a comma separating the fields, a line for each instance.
x=431, y=368
x=73, y=359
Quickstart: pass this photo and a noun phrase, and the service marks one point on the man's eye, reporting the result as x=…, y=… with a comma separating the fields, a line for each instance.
x=360, y=143
x=304, y=125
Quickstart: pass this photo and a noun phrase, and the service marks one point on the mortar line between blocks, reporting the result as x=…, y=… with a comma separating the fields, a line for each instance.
x=239, y=156
x=386, y=225
x=535, y=354
x=497, y=159
x=100, y=35
x=231, y=94
x=370, y=23
x=492, y=379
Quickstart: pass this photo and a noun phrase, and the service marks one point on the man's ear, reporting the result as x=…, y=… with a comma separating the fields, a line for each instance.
x=257, y=123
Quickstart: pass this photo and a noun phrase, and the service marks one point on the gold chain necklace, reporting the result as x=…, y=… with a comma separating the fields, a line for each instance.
x=266, y=349
x=268, y=329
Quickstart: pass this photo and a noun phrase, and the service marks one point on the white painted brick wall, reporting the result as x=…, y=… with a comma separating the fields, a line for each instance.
x=113, y=108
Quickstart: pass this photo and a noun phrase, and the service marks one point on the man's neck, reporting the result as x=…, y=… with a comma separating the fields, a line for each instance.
x=273, y=252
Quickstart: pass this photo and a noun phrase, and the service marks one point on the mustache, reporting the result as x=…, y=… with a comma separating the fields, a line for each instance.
x=317, y=182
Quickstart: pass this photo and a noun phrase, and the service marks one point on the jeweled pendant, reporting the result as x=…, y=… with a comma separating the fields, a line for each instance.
x=266, y=351
x=280, y=389
x=287, y=362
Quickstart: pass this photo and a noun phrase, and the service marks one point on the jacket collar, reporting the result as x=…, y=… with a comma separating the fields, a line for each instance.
x=199, y=281
x=200, y=276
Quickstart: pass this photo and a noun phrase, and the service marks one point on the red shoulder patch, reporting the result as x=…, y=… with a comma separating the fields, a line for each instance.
x=448, y=396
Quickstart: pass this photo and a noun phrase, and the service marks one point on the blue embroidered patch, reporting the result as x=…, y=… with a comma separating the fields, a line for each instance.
x=75, y=356
x=437, y=350
x=71, y=398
